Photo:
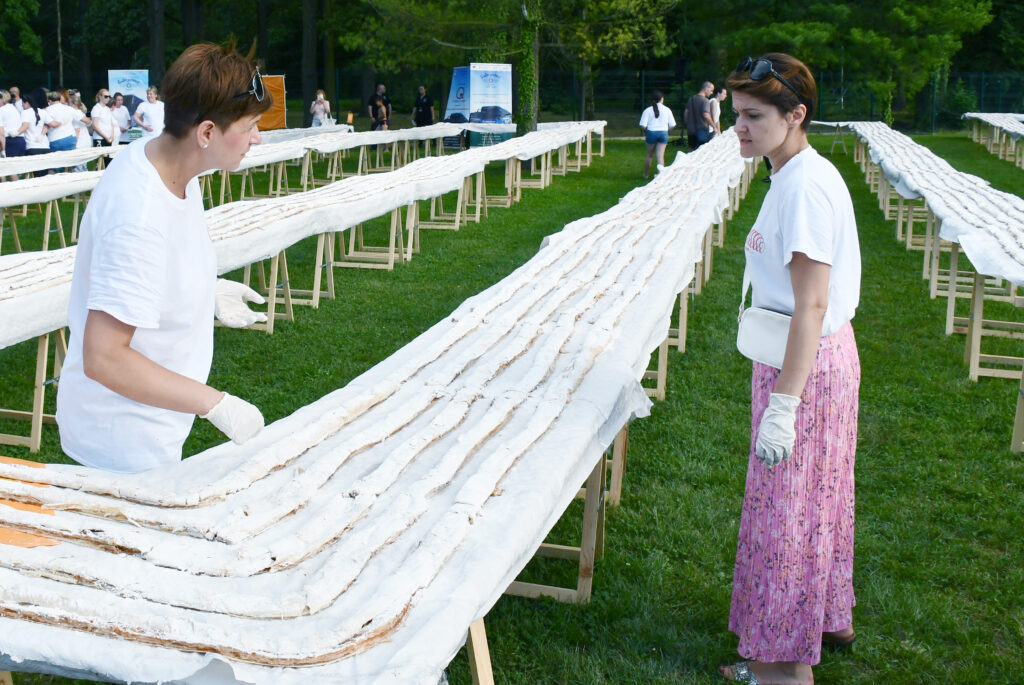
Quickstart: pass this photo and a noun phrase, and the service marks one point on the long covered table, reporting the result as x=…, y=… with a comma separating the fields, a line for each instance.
x=986, y=224
x=1000, y=133
x=359, y=538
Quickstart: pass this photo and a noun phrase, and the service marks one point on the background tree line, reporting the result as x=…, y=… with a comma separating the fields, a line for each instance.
x=897, y=51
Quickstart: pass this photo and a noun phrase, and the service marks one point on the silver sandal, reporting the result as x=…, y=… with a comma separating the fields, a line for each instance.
x=741, y=673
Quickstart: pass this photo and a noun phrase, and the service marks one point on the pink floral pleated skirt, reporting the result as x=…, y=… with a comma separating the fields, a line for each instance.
x=793, y=577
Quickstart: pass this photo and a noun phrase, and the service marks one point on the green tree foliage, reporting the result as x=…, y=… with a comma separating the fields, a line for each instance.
x=448, y=32
x=999, y=46
x=588, y=32
x=16, y=32
x=894, y=47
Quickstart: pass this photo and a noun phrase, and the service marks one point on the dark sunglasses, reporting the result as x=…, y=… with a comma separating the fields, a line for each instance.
x=761, y=68
x=257, y=90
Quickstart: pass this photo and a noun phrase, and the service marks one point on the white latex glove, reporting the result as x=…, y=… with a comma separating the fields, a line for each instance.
x=777, y=433
x=235, y=418
x=230, y=307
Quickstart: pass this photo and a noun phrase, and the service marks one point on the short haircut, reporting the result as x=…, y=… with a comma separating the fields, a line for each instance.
x=53, y=96
x=209, y=82
x=707, y=84
x=153, y=90
x=774, y=92
x=118, y=95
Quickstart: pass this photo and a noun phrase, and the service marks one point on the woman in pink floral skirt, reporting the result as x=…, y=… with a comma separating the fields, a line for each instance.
x=793, y=578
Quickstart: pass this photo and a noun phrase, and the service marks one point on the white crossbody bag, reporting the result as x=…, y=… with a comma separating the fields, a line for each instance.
x=762, y=333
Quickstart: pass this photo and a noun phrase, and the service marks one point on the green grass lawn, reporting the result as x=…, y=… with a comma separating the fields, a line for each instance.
x=939, y=557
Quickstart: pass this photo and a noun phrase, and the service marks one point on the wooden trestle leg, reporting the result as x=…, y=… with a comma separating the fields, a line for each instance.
x=479, y=654
x=1017, y=445
x=591, y=547
x=37, y=416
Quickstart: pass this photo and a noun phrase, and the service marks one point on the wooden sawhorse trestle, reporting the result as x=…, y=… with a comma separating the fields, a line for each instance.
x=590, y=550
x=37, y=416
x=402, y=244
x=274, y=290
x=51, y=214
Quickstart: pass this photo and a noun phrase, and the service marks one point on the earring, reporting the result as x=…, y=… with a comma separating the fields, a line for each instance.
x=205, y=145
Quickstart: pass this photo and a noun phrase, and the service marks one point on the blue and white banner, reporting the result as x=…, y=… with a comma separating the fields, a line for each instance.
x=457, y=111
x=131, y=83
x=490, y=93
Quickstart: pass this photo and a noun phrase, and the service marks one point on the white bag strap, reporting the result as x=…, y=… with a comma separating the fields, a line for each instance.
x=746, y=289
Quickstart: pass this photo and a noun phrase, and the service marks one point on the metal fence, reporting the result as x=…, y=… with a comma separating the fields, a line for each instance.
x=620, y=94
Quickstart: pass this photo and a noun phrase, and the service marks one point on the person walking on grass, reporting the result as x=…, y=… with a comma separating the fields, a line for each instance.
x=655, y=123
x=697, y=117
x=793, y=576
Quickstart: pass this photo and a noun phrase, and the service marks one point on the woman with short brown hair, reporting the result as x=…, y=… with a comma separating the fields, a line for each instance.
x=793, y=576
x=145, y=287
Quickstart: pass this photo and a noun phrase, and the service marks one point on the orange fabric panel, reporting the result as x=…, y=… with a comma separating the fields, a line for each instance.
x=16, y=538
x=275, y=116
x=25, y=506
x=22, y=462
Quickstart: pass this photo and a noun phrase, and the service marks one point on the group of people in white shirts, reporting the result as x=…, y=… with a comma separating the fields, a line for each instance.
x=42, y=121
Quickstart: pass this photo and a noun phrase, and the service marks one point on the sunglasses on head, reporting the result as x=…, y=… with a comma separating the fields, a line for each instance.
x=256, y=90
x=761, y=68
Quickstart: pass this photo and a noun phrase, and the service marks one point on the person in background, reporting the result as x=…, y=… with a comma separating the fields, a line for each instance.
x=63, y=137
x=16, y=97
x=13, y=143
x=655, y=123
x=320, y=109
x=122, y=120
x=102, y=121
x=379, y=109
x=39, y=121
x=793, y=577
x=75, y=100
x=423, y=111
x=150, y=114
x=145, y=290
x=716, y=109
x=697, y=117
x=83, y=139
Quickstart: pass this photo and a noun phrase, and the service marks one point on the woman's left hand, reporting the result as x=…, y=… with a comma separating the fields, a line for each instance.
x=777, y=433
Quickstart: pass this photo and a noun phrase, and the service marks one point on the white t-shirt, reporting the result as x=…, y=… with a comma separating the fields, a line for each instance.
x=716, y=110
x=10, y=119
x=152, y=113
x=102, y=120
x=121, y=120
x=145, y=258
x=66, y=116
x=807, y=209
x=663, y=122
x=35, y=134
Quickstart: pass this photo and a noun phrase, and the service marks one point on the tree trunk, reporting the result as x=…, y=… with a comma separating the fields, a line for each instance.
x=309, y=79
x=85, y=62
x=191, y=21
x=587, y=92
x=529, y=74
x=157, y=44
x=330, y=45
x=262, y=39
